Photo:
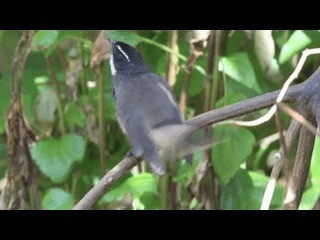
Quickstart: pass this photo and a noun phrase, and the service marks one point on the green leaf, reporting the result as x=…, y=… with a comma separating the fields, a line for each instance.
x=245, y=192
x=143, y=188
x=298, y=41
x=56, y=156
x=128, y=37
x=139, y=184
x=74, y=116
x=197, y=81
x=237, y=144
x=44, y=38
x=239, y=68
x=5, y=100
x=236, y=195
x=57, y=199
x=315, y=163
x=311, y=196
x=193, y=204
x=235, y=41
x=281, y=37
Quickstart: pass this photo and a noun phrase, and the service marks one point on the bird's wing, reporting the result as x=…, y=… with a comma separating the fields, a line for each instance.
x=140, y=141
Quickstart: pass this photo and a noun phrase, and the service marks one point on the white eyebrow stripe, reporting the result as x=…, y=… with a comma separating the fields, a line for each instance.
x=166, y=91
x=120, y=49
x=113, y=69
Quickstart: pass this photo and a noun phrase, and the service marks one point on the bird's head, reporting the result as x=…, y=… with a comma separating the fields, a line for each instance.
x=126, y=59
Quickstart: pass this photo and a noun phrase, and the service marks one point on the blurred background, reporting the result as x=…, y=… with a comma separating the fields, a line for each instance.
x=67, y=100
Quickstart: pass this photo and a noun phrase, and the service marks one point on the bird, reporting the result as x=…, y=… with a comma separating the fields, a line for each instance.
x=146, y=108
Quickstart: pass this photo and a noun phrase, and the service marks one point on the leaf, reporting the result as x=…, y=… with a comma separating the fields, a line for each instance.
x=57, y=199
x=44, y=38
x=311, y=196
x=245, y=192
x=56, y=156
x=193, y=204
x=143, y=188
x=5, y=100
x=281, y=37
x=74, y=116
x=235, y=41
x=197, y=81
x=128, y=37
x=237, y=144
x=236, y=195
x=239, y=68
x=298, y=41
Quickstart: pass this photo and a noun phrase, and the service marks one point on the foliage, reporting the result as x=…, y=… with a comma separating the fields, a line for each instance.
x=250, y=63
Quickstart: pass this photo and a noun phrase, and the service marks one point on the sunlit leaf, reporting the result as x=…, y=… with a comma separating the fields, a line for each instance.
x=239, y=68
x=298, y=41
x=57, y=199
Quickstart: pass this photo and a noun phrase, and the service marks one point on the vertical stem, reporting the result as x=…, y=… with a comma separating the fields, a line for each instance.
x=284, y=148
x=211, y=95
x=173, y=185
x=101, y=82
x=173, y=58
x=164, y=191
x=83, y=81
x=168, y=185
x=300, y=172
x=56, y=85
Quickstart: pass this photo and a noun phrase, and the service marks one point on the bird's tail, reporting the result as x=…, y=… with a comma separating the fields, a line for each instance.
x=185, y=140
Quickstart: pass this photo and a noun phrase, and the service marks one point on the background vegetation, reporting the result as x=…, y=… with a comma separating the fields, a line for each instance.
x=61, y=93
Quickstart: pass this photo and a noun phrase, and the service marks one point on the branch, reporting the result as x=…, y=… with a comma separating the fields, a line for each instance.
x=208, y=118
x=112, y=176
x=300, y=170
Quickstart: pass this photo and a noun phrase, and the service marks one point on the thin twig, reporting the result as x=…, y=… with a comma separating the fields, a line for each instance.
x=196, y=50
x=283, y=145
x=173, y=59
x=268, y=193
x=284, y=89
x=56, y=85
x=298, y=117
x=18, y=63
x=101, y=81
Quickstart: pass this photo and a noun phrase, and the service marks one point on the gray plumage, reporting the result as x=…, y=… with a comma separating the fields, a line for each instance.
x=146, y=107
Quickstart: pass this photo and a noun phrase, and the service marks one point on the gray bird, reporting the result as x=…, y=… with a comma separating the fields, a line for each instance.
x=146, y=108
